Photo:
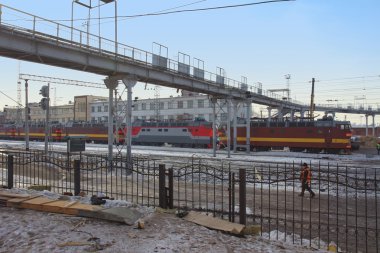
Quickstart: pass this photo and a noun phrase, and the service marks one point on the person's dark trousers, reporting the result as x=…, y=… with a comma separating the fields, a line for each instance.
x=305, y=186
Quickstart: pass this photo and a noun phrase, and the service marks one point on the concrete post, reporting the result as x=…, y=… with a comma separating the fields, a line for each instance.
x=27, y=111
x=111, y=85
x=373, y=125
x=129, y=83
x=279, y=112
x=214, y=130
x=302, y=114
x=291, y=115
x=228, y=128
x=47, y=124
x=234, y=104
x=269, y=116
x=248, y=128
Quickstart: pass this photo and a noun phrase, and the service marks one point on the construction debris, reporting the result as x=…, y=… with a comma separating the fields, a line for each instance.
x=71, y=207
x=214, y=223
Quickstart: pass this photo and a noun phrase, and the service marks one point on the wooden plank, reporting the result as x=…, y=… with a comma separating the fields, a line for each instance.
x=15, y=202
x=36, y=203
x=79, y=208
x=57, y=206
x=214, y=223
x=14, y=195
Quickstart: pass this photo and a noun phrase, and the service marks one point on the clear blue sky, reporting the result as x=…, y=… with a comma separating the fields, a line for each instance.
x=335, y=41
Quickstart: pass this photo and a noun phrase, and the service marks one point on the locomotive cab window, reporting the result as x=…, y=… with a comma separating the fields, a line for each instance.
x=165, y=130
x=160, y=130
x=184, y=130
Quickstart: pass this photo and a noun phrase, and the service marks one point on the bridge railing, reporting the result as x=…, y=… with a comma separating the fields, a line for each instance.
x=360, y=108
x=63, y=34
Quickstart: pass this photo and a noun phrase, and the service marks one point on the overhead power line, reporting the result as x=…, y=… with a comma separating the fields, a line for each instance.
x=11, y=99
x=179, y=11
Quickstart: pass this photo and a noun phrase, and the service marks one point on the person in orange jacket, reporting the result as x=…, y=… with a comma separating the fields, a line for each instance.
x=305, y=178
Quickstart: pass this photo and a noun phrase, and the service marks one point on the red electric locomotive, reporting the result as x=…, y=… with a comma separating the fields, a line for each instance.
x=324, y=135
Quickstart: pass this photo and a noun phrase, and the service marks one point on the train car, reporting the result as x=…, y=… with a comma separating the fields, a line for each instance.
x=323, y=135
x=36, y=132
x=184, y=133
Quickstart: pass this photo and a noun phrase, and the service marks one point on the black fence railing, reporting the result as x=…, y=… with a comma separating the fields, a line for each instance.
x=344, y=211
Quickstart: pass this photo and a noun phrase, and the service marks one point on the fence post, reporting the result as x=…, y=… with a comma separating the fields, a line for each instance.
x=161, y=186
x=10, y=171
x=233, y=197
x=76, y=177
x=170, y=189
x=242, y=196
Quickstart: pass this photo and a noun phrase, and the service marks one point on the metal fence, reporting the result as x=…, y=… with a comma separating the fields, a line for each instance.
x=344, y=210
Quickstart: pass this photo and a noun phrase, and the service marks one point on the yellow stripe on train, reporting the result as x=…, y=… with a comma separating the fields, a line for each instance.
x=293, y=140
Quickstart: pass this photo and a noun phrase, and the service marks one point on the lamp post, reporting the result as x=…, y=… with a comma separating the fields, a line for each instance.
x=90, y=7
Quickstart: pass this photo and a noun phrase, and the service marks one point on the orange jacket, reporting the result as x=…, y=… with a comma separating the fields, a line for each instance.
x=306, y=174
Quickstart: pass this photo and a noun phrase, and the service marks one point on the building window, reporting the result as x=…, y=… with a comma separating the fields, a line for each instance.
x=180, y=104
x=143, y=106
x=152, y=106
x=82, y=107
x=162, y=105
x=143, y=117
x=105, y=119
x=201, y=103
x=99, y=119
x=190, y=104
x=92, y=108
x=99, y=108
x=136, y=107
x=135, y=118
x=170, y=105
x=106, y=108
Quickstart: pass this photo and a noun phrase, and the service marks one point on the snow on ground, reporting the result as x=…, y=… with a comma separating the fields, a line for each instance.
x=32, y=231
x=24, y=230
x=269, y=156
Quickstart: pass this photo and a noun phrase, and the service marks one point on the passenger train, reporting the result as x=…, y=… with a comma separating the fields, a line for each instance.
x=325, y=135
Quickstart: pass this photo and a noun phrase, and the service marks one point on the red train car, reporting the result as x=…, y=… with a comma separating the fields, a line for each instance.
x=312, y=136
x=36, y=132
x=184, y=133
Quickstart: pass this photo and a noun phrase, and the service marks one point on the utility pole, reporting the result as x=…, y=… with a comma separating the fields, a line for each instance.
x=44, y=104
x=27, y=113
x=312, y=99
x=47, y=125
